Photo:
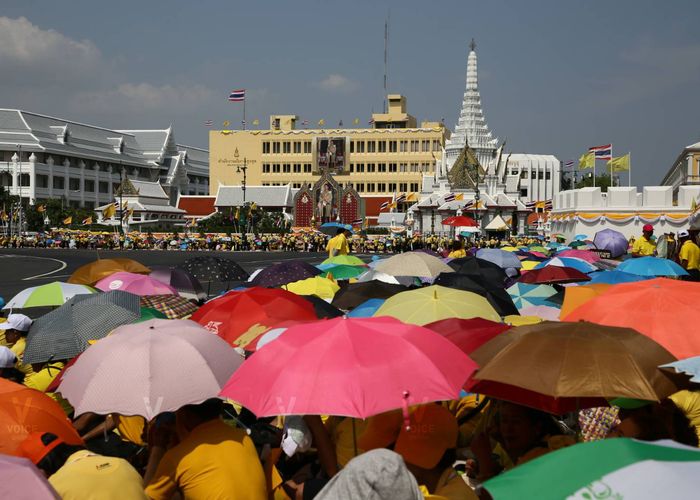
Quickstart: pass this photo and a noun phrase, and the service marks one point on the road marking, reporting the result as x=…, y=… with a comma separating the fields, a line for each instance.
x=39, y=276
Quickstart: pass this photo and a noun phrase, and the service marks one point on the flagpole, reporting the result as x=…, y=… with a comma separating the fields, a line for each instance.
x=244, y=123
x=629, y=169
x=594, y=160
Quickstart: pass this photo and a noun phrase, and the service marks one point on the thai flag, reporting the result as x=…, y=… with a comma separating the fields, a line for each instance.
x=530, y=205
x=208, y=123
x=569, y=163
x=469, y=204
x=384, y=206
x=305, y=122
x=450, y=197
x=237, y=95
x=602, y=152
x=357, y=222
x=402, y=197
x=548, y=205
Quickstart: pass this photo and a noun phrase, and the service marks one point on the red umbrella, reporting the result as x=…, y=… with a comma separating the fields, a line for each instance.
x=355, y=367
x=554, y=274
x=236, y=313
x=467, y=334
x=460, y=221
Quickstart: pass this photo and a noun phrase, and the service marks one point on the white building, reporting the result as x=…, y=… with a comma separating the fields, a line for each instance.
x=685, y=170
x=42, y=157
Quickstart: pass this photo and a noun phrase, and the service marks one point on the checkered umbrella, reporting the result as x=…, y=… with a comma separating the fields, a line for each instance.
x=210, y=268
x=172, y=306
x=65, y=332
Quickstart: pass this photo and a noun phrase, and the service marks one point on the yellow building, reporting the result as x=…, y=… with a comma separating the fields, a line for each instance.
x=388, y=159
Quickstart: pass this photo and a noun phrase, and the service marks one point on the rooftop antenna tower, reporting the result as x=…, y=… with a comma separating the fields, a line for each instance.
x=386, y=51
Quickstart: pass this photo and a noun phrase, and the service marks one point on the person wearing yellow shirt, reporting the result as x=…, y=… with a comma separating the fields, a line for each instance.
x=689, y=256
x=16, y=328
x=338, y=245
x=644, y=246
x=457, y=250
x=212, y=460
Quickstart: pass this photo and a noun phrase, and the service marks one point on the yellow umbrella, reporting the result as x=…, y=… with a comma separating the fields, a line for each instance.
x=433, y=303
x=509, y=249
x=321, y=287
x=515, y=320
x=528, y=265
x=576, y=296
x=91, y=273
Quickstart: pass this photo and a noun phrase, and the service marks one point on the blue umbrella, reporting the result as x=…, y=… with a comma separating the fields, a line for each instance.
x=578, y=264
x=366, y=309
x=499, y=257
x=331, y=228
x=689, y=366
x=612, y=241
x=526, y=295
x=652, y=266
x=614, y=277
x=580, y=237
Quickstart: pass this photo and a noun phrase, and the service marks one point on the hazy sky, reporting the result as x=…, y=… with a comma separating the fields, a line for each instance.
x=555, y=76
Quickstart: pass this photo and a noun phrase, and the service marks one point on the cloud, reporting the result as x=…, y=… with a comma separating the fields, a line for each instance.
x=146, y=96
x=337, y=83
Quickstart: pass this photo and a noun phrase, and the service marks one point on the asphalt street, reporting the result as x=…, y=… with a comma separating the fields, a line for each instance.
x=21, y=268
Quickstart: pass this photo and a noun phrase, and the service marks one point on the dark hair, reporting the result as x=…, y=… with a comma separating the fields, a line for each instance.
x=548, y=424
x=662, y=421
x=208, y=410
x=55, y=459
x=340, y=230
x=456, y=245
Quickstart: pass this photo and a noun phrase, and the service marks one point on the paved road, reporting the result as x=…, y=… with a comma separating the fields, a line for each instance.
x=24, y=267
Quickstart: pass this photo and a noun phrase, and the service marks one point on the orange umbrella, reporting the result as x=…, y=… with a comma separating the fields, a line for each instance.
x=91, y=273
x=576, y=296
x=663, y=309
x=24, y=410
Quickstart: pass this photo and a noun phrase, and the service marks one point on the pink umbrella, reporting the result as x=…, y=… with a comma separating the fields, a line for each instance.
x=544, y=312
x=21, y=480
x=137, y=284
x=148, y=368
x=537, y=254
x=354, y=367
x=586, y=255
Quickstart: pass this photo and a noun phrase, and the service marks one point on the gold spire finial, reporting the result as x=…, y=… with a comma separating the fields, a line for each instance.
x=472, y=45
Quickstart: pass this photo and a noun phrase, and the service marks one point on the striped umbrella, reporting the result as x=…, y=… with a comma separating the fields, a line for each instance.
x=525, y=295
x=573, y=262
x=51, y=294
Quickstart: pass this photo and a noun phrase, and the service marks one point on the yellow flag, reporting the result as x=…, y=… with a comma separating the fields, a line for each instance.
x=238, y=213
x=322, y=122
x=459, y=196
x=109, y=211
x=693, y=206
x=256, y=122
x=68, y=220
x=587, y=160
x=356, y=121
x=227, y=123
x=41, y=209
x=87, y=221
x=620, y=164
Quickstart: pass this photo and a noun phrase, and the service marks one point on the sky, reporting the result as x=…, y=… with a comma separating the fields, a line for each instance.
x=555, y=76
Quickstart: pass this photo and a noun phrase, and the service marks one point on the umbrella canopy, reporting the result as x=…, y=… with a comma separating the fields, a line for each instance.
x=473, y=266
x=138, y=284
x=553, y=274
x=413, y=264
x=499, y=257
x=372, y=275
x=572, y=361
x=609, y=468
x=91, y=273
x=219, y=269
x=459, y=221
x=468, y=334
x=322, y=308
x=232, y=315
x=497, y=296
x=580, y=237
x=546, y=312
x=689, y=366
x=612, y=241
x=652, y=266
x=525, y=295
x=65, y=332
x=663, y=309
x=332, y=368
x=366, y=309
x=148, y=313
x=528, y=265
x=49, y=295
x=149, y=368
x=186, y=284
x=354, y=294
x=344, y=260
x=343, y=272
x=578, y=264
x=514, y=320
x=24, y=410
x=321, y=287
x=576, y=296
x=173, y=306
x=21, y=480
x=432, y=303
x=285, y=272
x=586, y=255
x=615, y=277
x=331, y=228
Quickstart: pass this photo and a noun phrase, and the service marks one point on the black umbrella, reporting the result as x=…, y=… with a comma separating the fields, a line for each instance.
x=354, y=294
x=65, y=332
x=498, y=297
x=482, y=269
x=209, y=268
x=285, y=272
x=181, y=280
x=323, y=309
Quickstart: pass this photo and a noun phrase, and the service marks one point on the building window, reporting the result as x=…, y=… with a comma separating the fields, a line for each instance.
x=436, y=145
x=90, y=205
x=414, y=187
x=381, y=146
x=371, y=147
x=414, y=167
x=523, y=193
x=403, y=187
x=352, y=167
x=296, y=185
x=266, y=147
x=371, y=167
x=381, y=167
x=414, y=146
x=59, y=182
x=286, y=147
x=275, y=147
x=307, y=147
x=403, y=146
x=297, y=168
x=513, y=172
x=275, y=168
x=360, y=167
x=381, y=187
x=266, y=168
x=287, y=168
x=392, y=187
x=42, y=181
x=425, y=146
x=352, y=146
x=392, y=146
x=265, y=183
x=24, y=180
x=102, y=186
x=307, y=168
x=392, y=167
x=89, y=186
x=297, y=147
x=370, y=187
x=403, y=167
x=547, y=175
x=523, y=174
x=360, y=187
x=360, y=146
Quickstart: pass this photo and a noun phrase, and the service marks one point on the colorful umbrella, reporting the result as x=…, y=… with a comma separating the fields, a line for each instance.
x=284, y=272
x=553, y=274
x=343, y=272
x=515, y=320
x=322, y=308
x=580, y=237
x=432, y=303
x=49, y=295
x=576, y=296
x=332, y=368
x=499, y=257
x=232, y=315
x=64, y=332
x=612, y=241
x=578, y=264
x=173, y=306
x=21, y=480
x=586, y=255
x=321, y=287
x=689, y=366
x=24, y=410
x=366, y=309
x=413, y=264
x=652, y=266
x=331, y=228
x=344, y=260
x=609, y=468
x=460, y=221
x=579, y=362
x=137, y=284
x=186, y=284
x=528, y=265
x=548, y=313
x=473, y=266
x=372, y=275
x=468, y=334
x=91, y=273
x=217, y=269
x=615, y=277
x=663, y=309
x=495, y=294
x=354, y=294
x=149, y=368
x=148, y=313
x=525, y=295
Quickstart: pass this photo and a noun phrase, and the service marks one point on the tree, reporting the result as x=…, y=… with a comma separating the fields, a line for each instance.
x=602, y=181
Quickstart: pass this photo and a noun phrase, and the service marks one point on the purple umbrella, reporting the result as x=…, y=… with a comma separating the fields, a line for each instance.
x=21, y=480
x=612, y=241
x=285, y=272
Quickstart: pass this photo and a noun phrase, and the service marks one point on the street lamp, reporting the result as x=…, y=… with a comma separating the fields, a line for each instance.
x=243, y=169
x=121, y=192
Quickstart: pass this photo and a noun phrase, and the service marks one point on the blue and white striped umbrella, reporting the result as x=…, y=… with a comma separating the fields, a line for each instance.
x=578, y=264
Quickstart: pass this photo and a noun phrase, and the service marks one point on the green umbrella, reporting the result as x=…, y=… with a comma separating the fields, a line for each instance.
x=609, y=469
x=344, y=260
x=344, y=272
x=48, y=295
x=539, y=248
x=150, y=313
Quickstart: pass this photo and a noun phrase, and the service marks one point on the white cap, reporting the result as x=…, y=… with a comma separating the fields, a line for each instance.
x=7, y=358
x=18, y=322
x=683, y=233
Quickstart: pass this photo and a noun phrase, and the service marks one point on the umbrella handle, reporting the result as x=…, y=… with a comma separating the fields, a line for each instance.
x=404, y=411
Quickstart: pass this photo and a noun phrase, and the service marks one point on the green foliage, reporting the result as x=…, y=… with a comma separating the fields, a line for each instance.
x=602, y=181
